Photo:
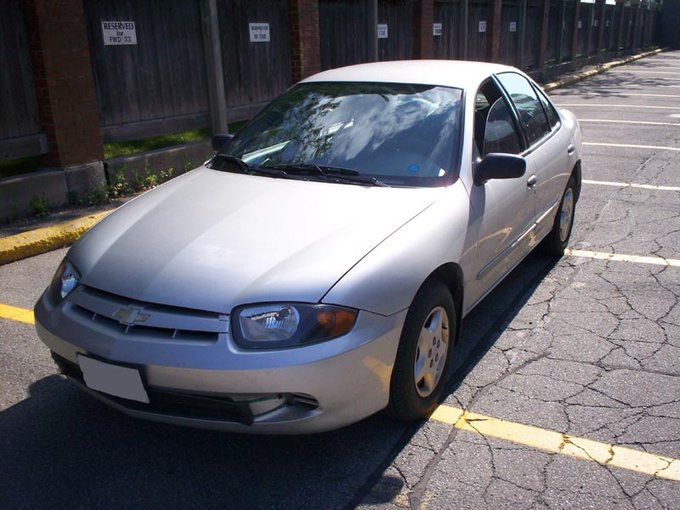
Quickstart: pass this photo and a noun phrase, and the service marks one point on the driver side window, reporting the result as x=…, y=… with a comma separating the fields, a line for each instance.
x=495, y=129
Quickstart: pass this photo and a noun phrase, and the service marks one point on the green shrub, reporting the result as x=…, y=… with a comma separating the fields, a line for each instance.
x=40, y=206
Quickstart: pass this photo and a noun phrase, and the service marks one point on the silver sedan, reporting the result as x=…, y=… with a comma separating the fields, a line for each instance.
x=318, y=268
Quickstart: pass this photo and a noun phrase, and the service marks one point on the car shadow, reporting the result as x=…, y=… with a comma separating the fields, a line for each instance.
x=61, y=448
x=490, y=318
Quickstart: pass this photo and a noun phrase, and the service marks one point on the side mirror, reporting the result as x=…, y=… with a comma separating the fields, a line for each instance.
x=220, y=141
x=499, y=166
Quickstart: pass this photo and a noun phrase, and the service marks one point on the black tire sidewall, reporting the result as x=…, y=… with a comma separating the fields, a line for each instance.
x=553, y=244
x=405, y=402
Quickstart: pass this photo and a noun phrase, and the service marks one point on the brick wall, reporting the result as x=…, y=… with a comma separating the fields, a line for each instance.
x=67, y=102
x=304, y=38
x=423, y=32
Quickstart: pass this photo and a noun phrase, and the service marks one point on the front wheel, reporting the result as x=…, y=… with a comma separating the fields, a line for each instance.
x=424, y=354
x=556, y=241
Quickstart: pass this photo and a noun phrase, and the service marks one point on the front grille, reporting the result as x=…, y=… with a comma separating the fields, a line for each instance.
x=239, y=408
x=150, y=321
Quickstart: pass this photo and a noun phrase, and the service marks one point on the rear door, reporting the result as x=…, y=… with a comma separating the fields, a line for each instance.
x=547, y=146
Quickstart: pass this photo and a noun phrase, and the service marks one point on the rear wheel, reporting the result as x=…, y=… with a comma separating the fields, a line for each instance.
x=556, y=241
x=424, y=353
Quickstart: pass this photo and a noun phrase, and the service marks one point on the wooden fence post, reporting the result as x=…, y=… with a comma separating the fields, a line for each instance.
x=494, y=32
x=373, y=31
x=620, y=39
x=522, y=33
x=464, y=29
x=217, y=92
x=563, y=15
x=574, y=37
x=545, y=27
x=600, y=31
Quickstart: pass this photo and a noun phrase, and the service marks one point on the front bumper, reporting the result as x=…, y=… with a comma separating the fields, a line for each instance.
x=211, y=383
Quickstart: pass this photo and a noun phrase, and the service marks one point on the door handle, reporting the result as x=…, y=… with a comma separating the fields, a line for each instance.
x=570, y=149
x=531, y=182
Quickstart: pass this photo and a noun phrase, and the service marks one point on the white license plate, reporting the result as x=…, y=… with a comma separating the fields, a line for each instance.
x=114, y=380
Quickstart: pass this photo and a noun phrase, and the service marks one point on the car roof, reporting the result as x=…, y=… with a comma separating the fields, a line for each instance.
x=449, y=73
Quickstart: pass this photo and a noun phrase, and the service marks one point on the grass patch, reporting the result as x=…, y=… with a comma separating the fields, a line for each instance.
x=117, y=149
x=8, y=168
x=114, y=150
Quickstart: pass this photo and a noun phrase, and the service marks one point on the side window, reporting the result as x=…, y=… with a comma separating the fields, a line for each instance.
x=553, y=116
x=495, y=129
x=531, y=114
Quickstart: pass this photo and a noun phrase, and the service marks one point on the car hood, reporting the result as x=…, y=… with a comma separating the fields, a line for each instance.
x=211, y=240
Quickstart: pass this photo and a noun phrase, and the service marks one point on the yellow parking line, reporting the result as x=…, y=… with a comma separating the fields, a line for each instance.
x=16, y=314
x=563, y=444
x=631, y=185
x=659, y=261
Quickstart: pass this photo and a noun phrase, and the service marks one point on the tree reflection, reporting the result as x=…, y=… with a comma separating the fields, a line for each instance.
x=384, y=129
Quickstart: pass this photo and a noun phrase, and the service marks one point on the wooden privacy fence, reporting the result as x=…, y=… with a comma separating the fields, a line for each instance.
x=159, y=85
x=192, y=58
x=20, y=133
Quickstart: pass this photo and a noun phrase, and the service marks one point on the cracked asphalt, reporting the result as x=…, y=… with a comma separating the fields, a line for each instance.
x=582, y=347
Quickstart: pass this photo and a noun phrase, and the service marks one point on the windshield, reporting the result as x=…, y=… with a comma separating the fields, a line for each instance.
x=400, y=134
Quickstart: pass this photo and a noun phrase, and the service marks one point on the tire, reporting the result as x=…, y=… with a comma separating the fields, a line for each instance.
x=557, y=240
x=420, y=375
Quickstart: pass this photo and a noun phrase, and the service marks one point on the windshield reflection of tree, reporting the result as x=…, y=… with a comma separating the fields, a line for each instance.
x=341, y=124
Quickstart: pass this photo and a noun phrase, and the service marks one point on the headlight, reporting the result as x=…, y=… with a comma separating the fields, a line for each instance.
x=278, y=325
x=64, y=281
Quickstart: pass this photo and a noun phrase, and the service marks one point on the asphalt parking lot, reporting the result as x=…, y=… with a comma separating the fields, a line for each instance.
x=566, y=392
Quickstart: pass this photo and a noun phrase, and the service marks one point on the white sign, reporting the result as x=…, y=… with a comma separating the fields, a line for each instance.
x=482, y=26
x=259, y=32
x=118, y=33
x=513, y=26
x=382, y=30
x=436, y=29
x=580, y=24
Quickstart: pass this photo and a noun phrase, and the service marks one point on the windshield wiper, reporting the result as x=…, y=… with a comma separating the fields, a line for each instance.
x=337, y=173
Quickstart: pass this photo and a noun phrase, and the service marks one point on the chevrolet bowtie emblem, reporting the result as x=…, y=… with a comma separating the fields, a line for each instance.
x=131, y=315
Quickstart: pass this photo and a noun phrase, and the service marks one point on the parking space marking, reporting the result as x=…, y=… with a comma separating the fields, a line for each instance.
x=643, y=71
x=16, y=314
x=609, y=105
x=631, y=146
x=563, y=444
x=623, y=93
x=632, y=122
x=615, y=257
x=631, y=185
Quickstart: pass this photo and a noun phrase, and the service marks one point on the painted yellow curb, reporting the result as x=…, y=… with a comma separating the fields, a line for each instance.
x=41, y=240
x=599, y=70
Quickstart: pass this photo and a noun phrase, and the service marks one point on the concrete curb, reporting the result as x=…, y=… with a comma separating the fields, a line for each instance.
x=42, y=240
x=574, y=78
